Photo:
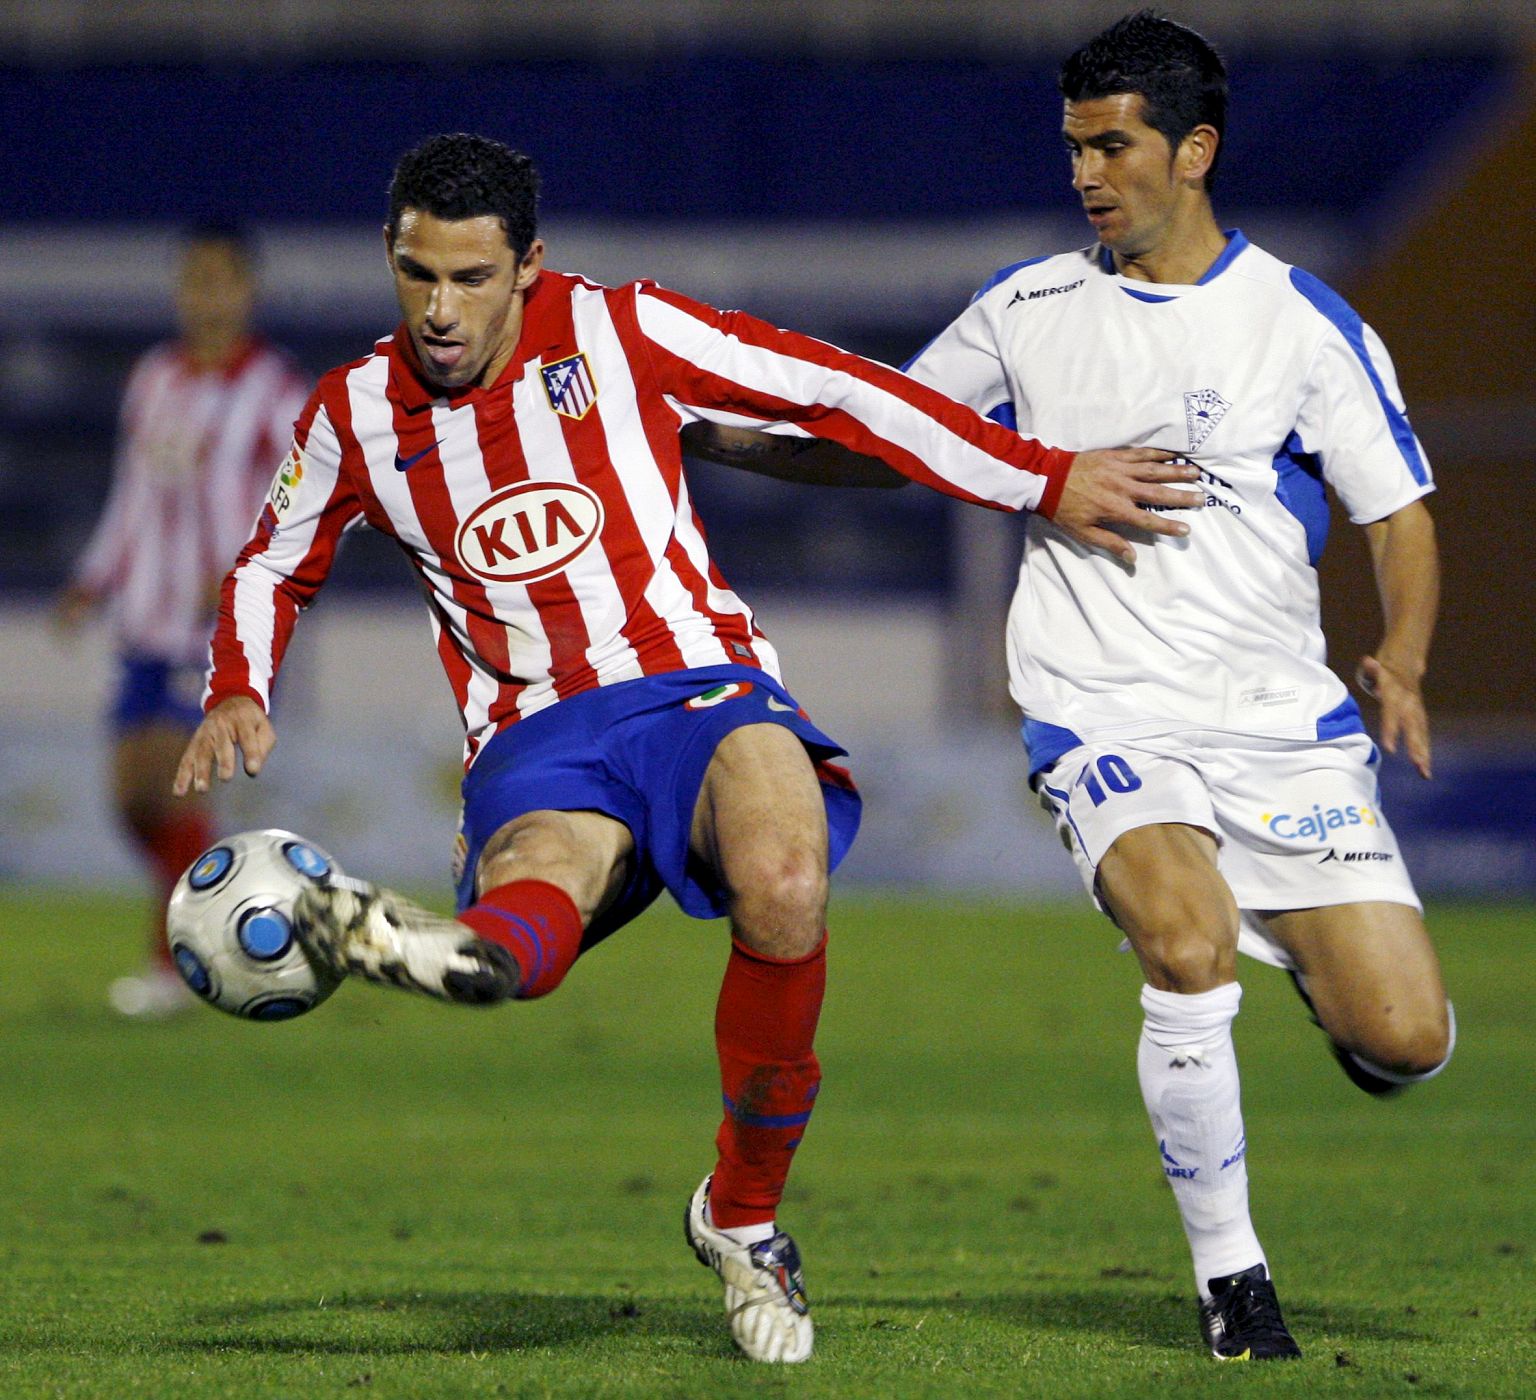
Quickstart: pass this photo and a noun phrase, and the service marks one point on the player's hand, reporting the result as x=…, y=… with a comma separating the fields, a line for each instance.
x=1107, y=491
x=72, y=609
x=238, y=722
x=1403, y=716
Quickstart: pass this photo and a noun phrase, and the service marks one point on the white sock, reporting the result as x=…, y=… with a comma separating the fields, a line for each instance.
x=1188, y=1072
x=744, y=1235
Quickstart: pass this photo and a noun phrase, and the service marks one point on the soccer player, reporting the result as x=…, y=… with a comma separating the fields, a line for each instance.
x=1210, y=774
x=626, y=726
x=203, y=418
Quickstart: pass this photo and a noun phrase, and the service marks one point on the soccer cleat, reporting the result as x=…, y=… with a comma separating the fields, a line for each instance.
x=765, y=1300
x=1242, y=1321
x=1354, y=1071
x=350, y=926
x=153, y=995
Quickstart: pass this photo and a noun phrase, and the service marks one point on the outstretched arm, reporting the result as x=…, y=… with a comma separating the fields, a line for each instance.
x=1407, y=565
x=810, y=461
x=1104, y=492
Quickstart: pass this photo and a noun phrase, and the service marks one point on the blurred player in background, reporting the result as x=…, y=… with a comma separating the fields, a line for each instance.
x=203, y=419
x=627, y=729
x=1211, y=776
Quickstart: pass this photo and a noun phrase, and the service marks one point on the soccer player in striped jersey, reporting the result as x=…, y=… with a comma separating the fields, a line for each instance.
x=626, y=726
x=202, y=419
x=1211, y=775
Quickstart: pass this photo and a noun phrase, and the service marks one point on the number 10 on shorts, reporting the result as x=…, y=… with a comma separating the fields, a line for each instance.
x=1107, y=771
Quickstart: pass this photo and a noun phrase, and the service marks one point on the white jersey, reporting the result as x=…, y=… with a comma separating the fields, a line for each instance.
x=1275, y=388
x=196, y=448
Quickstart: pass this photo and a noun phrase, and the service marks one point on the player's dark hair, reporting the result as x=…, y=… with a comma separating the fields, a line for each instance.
x=225, y=233
x=460, y=176
x=1177, y=73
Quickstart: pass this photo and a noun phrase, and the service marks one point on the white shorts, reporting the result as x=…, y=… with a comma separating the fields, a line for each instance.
x=1298, y=824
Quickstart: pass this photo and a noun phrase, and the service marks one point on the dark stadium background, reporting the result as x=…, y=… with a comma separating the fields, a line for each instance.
x=854, y=178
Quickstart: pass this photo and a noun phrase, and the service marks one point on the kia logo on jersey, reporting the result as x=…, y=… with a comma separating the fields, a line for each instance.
x=529, y=531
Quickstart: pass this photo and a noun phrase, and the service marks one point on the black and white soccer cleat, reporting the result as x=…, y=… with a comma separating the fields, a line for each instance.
x=352, y=927
x=1242, y=1322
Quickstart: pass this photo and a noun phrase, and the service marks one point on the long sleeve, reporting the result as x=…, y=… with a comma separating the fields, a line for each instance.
x=310, y=506
x=721, y=364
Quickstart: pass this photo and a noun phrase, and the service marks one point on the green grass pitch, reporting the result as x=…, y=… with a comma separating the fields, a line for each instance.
x=395, y=1198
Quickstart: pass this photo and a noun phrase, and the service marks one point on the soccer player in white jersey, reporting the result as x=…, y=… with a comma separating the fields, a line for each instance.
x=626, y=726
x=1210, y=774
x=202, y=419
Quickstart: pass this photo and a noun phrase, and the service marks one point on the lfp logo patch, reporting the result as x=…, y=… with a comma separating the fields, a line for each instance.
x=718, y=696
x=570, y=387
x=285, y=485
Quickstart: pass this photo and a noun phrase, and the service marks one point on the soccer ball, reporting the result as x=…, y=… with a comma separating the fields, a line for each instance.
x=230, y=925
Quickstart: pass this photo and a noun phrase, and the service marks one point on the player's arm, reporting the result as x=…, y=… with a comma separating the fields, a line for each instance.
x=1407, y=564
x=811, y=461
x=309, y=508
x=737, y=364
x=1352, y=416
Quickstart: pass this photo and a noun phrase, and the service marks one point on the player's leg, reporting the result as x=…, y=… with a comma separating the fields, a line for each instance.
x=542, y=877
x=1372, y=978
x=760, y=824
x=169, y=835
x=546, y=849
x=1162, y=885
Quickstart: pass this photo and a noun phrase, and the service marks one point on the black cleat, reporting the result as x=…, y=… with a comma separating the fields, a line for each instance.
x=1354, y=1071
x=1242, y=1321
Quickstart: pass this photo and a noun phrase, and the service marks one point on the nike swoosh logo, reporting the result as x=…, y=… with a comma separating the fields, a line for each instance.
x=404, y=464
x=774, y=703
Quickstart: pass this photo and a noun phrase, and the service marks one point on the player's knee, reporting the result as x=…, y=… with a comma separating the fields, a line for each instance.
x=1188, y=965
x=1185, y=947
x=143, y=813
x=1415, y=1046
x=779, y=901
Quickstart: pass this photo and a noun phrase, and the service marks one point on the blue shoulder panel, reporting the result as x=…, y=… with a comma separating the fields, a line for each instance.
x=1003, y=274
x=1299, y=488
x=1342, y=315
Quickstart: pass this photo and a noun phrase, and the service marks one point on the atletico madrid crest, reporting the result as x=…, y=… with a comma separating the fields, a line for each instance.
x=570, y=386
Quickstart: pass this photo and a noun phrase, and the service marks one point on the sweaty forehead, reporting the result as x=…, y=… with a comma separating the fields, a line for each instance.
x=460, y=242
x=1120, y=111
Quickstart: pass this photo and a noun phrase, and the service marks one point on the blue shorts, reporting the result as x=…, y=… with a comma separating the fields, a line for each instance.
x=637, y=751
x=151, y=690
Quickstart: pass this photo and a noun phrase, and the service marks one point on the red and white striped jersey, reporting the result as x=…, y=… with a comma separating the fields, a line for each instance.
x=195, y=451
x=547, y=514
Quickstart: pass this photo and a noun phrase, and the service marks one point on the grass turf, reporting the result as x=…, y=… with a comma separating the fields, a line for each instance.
x=394, y=1198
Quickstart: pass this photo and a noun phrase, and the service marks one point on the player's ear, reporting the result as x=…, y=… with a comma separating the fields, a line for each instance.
x=531, y=265
x=1197, y=153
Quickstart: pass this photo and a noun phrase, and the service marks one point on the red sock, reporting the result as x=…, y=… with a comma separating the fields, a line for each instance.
x=172, y=845
x=538, y=923
x=765, y=1025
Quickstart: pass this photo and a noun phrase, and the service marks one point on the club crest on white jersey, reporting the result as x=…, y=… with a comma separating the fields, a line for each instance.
x=529, y=531
x=1203, y=410
x=570, y=386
